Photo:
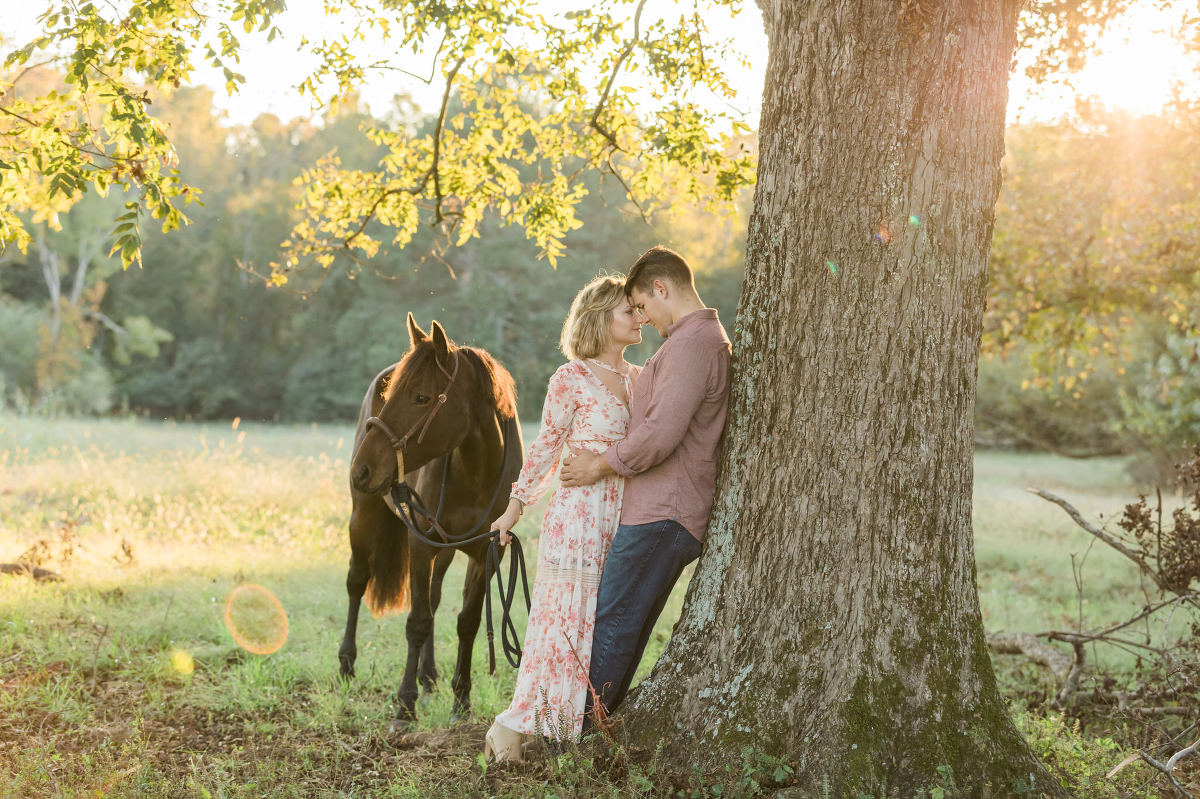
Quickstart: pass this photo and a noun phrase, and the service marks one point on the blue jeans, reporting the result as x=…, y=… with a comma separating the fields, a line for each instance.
x=643, y=565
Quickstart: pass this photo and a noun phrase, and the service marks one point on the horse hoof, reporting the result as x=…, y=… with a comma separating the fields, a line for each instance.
x=400, y=726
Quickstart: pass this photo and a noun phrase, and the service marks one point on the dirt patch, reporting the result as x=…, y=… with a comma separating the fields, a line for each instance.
x=461, y=738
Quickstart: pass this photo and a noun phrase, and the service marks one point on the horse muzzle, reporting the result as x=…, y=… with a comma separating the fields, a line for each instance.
x=375, y=483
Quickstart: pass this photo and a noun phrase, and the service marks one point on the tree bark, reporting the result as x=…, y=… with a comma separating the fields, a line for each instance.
x=833, y=619
x=52, y=274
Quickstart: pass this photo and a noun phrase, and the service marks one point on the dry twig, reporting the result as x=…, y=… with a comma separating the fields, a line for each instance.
x=598, y=712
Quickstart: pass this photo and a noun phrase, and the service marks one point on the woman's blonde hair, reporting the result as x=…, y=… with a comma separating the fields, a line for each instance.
x=588, y=325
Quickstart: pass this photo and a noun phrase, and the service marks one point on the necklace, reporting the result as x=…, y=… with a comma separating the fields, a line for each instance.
x=606, y=367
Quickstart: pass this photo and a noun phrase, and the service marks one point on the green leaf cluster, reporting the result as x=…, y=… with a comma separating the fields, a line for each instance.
x=532, y=103
x=76, y=110
x=1097, y=235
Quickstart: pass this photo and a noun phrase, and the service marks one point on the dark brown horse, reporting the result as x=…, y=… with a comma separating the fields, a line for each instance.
x=439, y=402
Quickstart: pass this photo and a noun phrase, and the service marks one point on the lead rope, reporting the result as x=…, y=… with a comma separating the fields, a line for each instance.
x=509, y=640
x=403, y=495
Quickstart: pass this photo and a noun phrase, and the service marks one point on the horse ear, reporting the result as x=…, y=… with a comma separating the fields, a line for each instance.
x=441, y=343
x=415, y=334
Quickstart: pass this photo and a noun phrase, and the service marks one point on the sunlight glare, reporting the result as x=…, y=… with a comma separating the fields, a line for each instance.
x=1138, y=62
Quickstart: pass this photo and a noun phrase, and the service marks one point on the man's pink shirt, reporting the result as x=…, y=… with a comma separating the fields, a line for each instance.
x=677, y=413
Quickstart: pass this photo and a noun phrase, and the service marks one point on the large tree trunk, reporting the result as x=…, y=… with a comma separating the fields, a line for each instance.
x=833, y=619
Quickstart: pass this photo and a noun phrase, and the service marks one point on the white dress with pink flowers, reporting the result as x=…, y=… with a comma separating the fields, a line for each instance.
x=580, y=413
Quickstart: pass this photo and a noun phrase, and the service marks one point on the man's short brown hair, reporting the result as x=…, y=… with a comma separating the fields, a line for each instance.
x=659, y=263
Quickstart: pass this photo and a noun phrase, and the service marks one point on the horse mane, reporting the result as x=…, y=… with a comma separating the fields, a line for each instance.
x=494, y=379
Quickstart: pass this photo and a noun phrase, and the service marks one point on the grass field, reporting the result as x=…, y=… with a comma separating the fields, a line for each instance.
x=123, y=679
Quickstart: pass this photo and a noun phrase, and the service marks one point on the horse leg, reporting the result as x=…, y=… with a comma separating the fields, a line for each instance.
x=427, y=673
x=417, y=630
x=365, y=526
x=468, y=627
x=356, y=584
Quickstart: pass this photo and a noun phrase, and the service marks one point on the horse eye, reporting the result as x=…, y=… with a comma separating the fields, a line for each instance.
x=421, y=399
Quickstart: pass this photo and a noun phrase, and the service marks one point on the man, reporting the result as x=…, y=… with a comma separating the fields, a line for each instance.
x=677, y=412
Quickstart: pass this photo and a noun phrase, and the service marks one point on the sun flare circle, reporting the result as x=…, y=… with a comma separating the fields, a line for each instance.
x=256, y=619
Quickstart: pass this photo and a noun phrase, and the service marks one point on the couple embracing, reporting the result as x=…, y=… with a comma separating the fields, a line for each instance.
x=634, y=494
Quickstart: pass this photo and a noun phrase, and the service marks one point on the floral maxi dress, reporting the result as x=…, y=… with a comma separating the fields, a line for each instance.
x=581, y=413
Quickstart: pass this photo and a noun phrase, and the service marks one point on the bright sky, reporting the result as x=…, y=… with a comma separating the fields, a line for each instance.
x=1139, y=63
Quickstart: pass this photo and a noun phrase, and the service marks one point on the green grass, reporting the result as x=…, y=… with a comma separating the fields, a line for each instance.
x=92, y=696
x=1024, y=547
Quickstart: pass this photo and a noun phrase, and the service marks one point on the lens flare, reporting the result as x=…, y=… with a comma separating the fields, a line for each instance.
x=256, y=619
x=914, y=220
x=182, y=661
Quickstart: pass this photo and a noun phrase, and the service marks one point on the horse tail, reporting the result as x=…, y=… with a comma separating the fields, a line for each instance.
x=387, y=590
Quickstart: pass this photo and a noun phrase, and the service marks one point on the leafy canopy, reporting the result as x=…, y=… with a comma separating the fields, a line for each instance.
x=1097, y=233
x=96, y=130
x=531, y=100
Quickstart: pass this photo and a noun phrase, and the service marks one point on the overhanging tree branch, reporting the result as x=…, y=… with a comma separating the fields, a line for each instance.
x=432, y=172
x=437, y=142
x=595, y=120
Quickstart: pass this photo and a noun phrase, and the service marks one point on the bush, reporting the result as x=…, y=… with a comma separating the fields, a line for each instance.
x=1084, y=419
x=87, y=391
x=324, y=386
x=1162, y=406
x=19, y=337
x=1081, y=763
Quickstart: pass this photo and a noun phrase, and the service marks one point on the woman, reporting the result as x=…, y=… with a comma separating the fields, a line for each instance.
x=587, y=407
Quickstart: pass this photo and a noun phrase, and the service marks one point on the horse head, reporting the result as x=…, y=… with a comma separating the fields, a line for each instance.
x=436, y=396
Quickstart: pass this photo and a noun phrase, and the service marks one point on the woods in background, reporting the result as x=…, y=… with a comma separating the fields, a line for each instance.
x=196, y=333
x=1090, y=342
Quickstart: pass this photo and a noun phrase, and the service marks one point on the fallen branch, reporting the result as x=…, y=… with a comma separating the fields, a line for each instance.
x=1067, y=669
x=1029, y=646
x=1134, y=710
x=1168, y=768
x=1072, y=681
x=36, y=572
x=1112, y=541
x=1086, y=638
x=1126, y=704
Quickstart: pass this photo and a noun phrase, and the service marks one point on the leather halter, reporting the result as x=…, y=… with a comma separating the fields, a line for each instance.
x=400, y=442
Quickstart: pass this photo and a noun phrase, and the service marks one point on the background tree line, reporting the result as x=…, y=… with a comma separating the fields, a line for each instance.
x=197, y=333
x=1090, y=343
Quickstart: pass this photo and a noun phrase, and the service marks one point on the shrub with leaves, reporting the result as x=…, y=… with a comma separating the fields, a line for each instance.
x=1081, y=762
x=1174, y=550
